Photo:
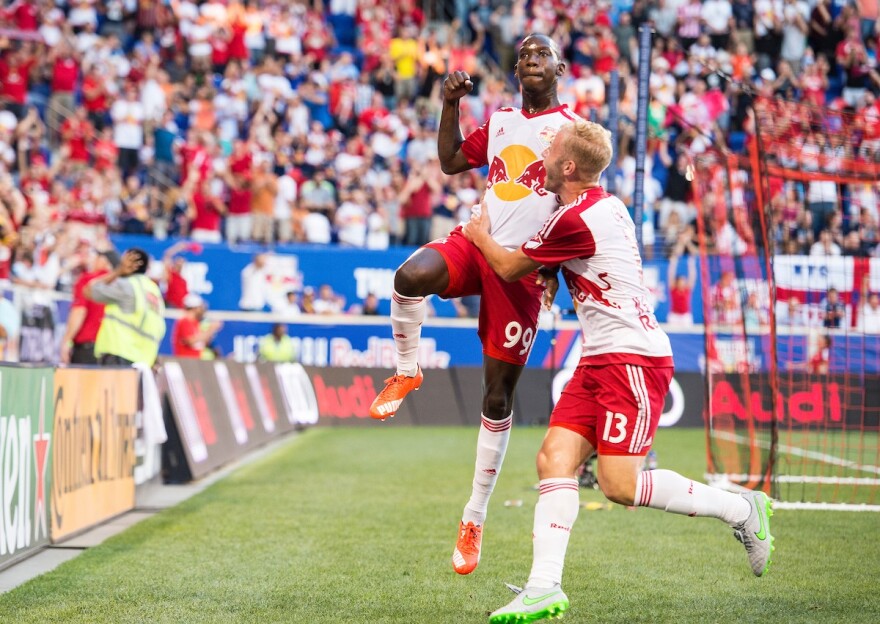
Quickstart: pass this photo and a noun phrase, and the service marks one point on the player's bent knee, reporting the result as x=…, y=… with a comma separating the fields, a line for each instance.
x=620, y=491
x=496, y=406
x=416, y=278
x=554, y=464
x=406, y=281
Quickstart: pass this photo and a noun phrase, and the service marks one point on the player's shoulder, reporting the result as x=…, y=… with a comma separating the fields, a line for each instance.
x=598, y=204
x=567, y=113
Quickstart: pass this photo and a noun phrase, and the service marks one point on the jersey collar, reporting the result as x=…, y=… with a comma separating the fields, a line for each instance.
x=555, y=109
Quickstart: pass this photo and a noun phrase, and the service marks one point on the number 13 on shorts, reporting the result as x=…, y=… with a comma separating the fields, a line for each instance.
x=615, y=427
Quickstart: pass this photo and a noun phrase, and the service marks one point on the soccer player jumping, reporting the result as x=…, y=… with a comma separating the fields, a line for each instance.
x=513, y=143
x=615, y=398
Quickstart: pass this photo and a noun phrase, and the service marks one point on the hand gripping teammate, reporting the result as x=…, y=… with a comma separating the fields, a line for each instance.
x=512, y=142
x=614, y=400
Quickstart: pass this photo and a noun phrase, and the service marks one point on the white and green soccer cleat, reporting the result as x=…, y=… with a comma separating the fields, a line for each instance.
x=532, y=604
x=754, y=533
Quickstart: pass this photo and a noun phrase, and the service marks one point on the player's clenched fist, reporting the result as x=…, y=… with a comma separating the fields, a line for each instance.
x=457, y=85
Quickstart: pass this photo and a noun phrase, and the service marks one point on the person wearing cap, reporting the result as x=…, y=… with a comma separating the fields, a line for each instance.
x=192, y=333
x=133, y=325
x=277, y=346
x=84, y=320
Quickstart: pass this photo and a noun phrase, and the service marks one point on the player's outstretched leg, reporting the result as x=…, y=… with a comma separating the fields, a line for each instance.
x=748, y=514
x=754, y=532
x=396, y=388
x=532, y=604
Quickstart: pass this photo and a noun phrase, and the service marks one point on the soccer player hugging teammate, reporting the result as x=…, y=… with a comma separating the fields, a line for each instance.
x=614, y=400
x=512, y=142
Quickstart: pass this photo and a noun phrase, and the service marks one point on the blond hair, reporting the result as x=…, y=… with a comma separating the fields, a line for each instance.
x=589, y=146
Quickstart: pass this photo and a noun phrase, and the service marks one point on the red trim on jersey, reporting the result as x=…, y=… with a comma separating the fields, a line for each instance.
x=476, y=146
x=648, y=361
x=550, y=248
x=556, y=109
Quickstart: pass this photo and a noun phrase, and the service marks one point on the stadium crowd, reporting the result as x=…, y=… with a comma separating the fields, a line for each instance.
x=310, y=121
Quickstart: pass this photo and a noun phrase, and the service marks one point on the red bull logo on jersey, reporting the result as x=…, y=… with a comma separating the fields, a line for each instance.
x=586, y=289
x=515, y=173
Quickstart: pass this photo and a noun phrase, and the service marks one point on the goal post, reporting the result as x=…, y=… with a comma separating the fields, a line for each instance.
x=793, y=405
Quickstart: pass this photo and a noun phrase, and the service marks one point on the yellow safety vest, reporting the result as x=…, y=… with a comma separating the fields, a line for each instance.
x=276, y=351
x=136, y=335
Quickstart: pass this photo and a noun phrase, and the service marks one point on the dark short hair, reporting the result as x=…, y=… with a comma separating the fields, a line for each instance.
x=112, y=257
x=143, y=256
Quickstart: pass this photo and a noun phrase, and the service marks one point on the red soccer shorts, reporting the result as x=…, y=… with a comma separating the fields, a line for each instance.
x=616, y=407
x=508, y=310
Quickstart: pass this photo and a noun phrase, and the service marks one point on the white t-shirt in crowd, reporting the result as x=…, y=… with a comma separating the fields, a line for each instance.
x=254, y=288
x=285, y=197
x=869, y=319
x=128, y=124
x=351, y=224
x=317, y=228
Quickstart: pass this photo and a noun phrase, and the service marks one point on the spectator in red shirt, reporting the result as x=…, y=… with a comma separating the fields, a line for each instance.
x=15, y=71
x=105, y=151
x=65, y=74
x=241, y=160
x=681, y=287
x=76, y=135
x=606, y=52
x=176, y=289
x=84, y=320
x=195, y=159
x=38, y=173
x=237, y=49
x=95, y=97
x=239, y=223
x=416, y=205
x=191, y=336
x=25, y=14
x=205, y=211
x=820, y=360
x=220, y=40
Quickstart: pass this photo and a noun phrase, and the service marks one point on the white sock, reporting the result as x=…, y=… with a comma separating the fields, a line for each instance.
x=669, y=491
x=555, y=513
x=407, y=314
x=491, y=447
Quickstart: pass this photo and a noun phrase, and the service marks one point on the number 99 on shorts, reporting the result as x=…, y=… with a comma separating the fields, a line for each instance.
x=517, y=337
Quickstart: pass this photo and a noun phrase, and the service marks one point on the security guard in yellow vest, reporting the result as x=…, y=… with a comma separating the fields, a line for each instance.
x=277, y=346
x=133, y=324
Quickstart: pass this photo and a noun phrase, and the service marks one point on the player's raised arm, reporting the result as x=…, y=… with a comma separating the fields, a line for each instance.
x=449, y=137
x=509, y=265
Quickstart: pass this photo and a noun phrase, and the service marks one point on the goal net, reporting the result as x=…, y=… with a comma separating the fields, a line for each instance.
x=792, y=315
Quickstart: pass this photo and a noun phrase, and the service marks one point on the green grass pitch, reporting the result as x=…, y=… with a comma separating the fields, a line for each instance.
x=358, y=525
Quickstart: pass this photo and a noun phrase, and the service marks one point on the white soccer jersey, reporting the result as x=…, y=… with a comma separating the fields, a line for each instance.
x=513, y=144
x=594, y=240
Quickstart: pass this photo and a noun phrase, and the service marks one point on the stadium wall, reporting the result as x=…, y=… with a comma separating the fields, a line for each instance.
x=66, y=453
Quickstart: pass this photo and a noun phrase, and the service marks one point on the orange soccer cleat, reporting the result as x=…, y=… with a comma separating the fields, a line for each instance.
x=466, y=555
x=396, y=389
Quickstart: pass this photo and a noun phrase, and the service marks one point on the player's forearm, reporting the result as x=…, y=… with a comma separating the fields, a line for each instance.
x=509, y=265
x=450, y=139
